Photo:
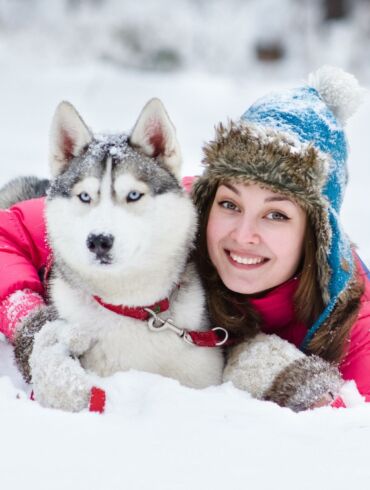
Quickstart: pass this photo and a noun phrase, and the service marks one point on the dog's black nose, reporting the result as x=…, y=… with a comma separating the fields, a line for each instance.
x=100, y=244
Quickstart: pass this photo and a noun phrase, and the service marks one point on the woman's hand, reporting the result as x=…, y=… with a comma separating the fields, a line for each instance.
x=271, y=368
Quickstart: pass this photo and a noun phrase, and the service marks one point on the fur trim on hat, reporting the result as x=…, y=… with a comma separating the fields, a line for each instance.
x=251, y=152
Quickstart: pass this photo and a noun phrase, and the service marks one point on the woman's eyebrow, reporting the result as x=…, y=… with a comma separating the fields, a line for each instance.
x=268, y=199
x=277, y=198
x=232, y=188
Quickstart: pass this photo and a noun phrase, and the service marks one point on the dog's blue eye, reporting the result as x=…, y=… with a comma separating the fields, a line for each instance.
x=134, y=196
x=84, y=197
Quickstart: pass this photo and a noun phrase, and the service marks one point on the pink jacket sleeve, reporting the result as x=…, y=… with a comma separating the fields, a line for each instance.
x=356, y=364
x=23, y=252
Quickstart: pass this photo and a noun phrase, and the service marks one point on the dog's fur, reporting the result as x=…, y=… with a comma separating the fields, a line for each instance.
x=21, y=189
x=121, y=228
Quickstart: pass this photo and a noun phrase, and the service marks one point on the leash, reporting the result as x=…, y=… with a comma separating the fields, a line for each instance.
x=215, y=337
x=209, y=338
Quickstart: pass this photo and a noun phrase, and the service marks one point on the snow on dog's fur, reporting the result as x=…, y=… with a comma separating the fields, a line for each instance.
x=121, y=228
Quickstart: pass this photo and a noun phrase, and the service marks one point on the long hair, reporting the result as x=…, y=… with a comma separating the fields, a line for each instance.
x=233, y=311
x=308, y=303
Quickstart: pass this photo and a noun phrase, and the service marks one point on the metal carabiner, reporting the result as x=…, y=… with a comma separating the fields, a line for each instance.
x=162, y=324
x=156, y=324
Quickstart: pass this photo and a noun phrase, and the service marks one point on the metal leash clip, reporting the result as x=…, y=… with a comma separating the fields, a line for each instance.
x=156, y=324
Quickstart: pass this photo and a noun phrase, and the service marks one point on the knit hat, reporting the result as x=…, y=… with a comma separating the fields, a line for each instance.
x=293, y=143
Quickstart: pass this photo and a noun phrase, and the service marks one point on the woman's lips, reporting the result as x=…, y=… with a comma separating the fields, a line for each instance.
x=245, y=261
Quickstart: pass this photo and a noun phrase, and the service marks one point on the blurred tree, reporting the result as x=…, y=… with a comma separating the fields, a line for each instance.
x=336, y=9
x=273, y=18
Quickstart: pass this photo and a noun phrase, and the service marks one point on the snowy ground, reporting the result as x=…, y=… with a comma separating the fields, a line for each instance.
x=155, y=433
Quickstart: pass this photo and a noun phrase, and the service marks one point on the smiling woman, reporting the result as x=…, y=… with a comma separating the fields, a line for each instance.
x=254, y=237
x=279, y=272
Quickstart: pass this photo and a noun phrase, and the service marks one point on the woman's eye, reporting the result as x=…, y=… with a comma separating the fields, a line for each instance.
x=276, y=216
x=134, y=196
x=84, y=197
x=228, y=205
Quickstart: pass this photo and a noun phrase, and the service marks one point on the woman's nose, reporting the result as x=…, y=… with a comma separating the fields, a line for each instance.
x=246, y=231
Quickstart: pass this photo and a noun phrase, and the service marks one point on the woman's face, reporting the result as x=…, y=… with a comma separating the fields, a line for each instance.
x=254, y=237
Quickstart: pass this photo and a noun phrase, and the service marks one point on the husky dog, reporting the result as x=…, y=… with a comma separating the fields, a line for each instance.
x=121, y=228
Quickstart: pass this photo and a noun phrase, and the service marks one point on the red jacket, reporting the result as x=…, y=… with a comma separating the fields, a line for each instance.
x=24, y=255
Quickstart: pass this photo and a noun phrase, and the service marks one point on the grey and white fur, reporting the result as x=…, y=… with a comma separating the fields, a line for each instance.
x=121, y=228
x=21, y=189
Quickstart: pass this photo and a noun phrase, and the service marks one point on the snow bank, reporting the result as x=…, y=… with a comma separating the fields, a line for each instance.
x=158, y=434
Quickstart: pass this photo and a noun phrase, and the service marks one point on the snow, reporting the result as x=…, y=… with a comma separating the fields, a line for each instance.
x=156, y=433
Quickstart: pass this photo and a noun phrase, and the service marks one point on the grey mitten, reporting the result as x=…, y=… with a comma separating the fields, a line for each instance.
x=24, y=336
x=271, y=368
x=59, y=380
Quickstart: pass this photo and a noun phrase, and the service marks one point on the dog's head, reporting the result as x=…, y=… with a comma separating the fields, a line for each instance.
x=115, y=208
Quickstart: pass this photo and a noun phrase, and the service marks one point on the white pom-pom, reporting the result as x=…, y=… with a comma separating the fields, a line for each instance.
x=340, y=90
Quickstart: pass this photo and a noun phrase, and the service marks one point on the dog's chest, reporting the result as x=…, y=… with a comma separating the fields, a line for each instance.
x=119, y=343
x=123, y=343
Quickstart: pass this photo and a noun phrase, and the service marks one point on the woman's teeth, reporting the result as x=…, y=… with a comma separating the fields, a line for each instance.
x=245, y=260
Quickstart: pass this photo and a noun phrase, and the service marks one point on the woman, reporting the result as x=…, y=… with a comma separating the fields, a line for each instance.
x=270, y=250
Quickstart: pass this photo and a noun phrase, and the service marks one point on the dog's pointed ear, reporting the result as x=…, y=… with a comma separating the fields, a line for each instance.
x=155, y=135
x=69, y=137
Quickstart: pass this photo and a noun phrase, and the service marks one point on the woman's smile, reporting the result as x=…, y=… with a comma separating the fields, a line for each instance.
x=240, y=259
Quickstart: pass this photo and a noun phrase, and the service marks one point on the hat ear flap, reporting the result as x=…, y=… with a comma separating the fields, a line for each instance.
x=155, y=135
x=69, y=136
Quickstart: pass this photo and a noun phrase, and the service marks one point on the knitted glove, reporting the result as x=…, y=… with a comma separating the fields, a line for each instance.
x=271, y=368
x=22, y=314
x=59, y=380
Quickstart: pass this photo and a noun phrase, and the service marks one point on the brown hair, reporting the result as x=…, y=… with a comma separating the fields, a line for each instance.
x=233, y=311
x=308, y=303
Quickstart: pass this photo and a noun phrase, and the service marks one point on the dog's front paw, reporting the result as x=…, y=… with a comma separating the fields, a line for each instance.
x=58, y=379
x=75, y=339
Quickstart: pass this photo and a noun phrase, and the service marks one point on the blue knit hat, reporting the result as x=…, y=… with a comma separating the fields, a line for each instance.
x=293, y=142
